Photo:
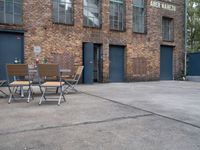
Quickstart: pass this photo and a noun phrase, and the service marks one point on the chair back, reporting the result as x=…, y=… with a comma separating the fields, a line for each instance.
x=17, y=70
x=48, y=70
x=78, y=73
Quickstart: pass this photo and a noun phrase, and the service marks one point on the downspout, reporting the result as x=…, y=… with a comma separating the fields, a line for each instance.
x=185, y=45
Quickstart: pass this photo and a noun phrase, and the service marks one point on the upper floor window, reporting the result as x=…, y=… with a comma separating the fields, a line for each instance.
x=92, y=13
x=138, y=16
x=117, y=15
x=63, y=11
x=11, y=11
x=167, y=29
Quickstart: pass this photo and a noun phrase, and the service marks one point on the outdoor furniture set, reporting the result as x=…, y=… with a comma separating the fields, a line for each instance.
x=50, y=76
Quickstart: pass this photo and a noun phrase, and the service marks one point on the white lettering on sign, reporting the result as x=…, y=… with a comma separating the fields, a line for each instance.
x=163, y=5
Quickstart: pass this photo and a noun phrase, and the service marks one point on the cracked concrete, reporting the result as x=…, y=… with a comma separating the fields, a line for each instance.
x=142, y=116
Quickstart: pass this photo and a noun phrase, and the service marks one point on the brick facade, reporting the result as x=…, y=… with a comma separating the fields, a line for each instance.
x=142, y=50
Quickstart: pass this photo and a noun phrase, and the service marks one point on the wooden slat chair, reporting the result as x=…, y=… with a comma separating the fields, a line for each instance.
x=50, y=78
x=72, y=82
x=18, y=76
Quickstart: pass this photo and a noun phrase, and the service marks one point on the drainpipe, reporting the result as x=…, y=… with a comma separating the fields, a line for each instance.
x=185, y=48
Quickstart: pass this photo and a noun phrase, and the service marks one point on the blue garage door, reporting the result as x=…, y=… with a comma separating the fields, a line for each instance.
x=166, y=63
x=116, y=57
x=194, y=64
x=11, y=47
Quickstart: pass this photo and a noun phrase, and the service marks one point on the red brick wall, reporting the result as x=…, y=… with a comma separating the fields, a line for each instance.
x=57, y=38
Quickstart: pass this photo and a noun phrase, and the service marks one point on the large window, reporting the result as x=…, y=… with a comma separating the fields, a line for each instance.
x=92, y=13
x=11, y=11
x=138, y=16
x=117, y=15
x=63, y=11
x=167, y=29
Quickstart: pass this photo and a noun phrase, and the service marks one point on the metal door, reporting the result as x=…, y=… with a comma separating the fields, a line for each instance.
x=116, y=69
x=194, y=64
x=166, y=63
x=11, y=47
x=88, y=54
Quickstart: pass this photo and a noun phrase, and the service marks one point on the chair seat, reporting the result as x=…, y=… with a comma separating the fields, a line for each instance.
x=66, y=77
x=52, y=84
x=20, y=83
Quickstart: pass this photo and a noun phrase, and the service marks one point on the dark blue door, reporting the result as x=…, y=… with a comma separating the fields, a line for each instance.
x=11, y=47
x=166, y=63
x=194, y=64
x=116, y=57
x=88, y=54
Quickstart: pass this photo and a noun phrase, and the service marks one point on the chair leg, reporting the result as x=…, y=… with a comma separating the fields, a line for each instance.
x=3, y=93
x=29, y=95
x=57, y=90
x=62, y=91
x=60, y=97
x=43, y=93
x=11, y=94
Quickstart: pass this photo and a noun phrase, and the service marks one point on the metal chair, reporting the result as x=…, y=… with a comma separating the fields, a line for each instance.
x=18, y=76
x=50, y=78
x=2, y=82
x=72, y=82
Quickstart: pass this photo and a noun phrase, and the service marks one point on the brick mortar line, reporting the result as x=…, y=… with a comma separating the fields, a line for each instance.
x=153, y=113
x=77, y=124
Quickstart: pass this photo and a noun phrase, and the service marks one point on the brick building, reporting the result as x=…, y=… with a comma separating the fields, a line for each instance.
x=116, y=40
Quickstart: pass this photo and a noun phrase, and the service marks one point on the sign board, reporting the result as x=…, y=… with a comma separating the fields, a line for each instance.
x=163, y=5
x=37, y=50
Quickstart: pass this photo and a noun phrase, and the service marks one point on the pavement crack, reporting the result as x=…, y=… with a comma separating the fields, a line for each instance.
x=150, y=112
x=76, y=124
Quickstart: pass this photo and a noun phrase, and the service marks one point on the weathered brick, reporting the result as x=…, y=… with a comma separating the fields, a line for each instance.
x=58, y=38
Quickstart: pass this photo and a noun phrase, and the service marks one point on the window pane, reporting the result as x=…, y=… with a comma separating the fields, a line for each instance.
x=138, y=16
x=18, y=1
x=17, y=9
x=9, y=12
x=116, y=15
x=138, y=3
x=91, y=13
x=63, y=11
x=55, y=11
x=2, y=11
x=167, y=27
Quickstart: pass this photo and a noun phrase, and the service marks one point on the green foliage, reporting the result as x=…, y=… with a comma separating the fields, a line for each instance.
x=193, y=26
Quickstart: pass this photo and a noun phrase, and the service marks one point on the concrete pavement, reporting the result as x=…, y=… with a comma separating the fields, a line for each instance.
x=114, y=116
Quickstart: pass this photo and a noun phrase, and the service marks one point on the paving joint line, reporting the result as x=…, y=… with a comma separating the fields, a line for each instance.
x=77, y=124
x=163, y=116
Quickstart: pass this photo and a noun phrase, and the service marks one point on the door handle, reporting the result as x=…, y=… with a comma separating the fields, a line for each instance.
x=91, y=62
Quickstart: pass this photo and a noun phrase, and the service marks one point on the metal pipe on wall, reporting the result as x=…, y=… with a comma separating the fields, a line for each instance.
x=185, y=48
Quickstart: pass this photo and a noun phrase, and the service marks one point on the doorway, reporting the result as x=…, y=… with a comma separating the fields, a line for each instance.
x=97, y=71
x=93, y=63
x=166, y=63
x=11, y=47
x=116, y=69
